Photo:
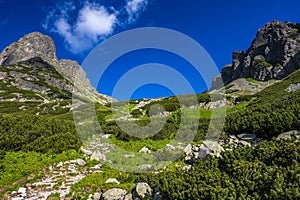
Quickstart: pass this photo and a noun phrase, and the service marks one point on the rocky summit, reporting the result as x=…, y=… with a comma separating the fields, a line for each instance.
x=31, y=64
x=273, y=54
x=30, y=46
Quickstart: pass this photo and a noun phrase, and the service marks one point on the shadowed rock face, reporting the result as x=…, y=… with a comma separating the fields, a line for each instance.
x=30, y=46
x=37, y=51
x=273, y=54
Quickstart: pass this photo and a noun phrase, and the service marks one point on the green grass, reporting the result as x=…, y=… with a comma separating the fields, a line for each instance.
x=136, y=145
x=237, y=108
x=96, y=182
x=15, y=166
x=263, y=63
x=252, y=80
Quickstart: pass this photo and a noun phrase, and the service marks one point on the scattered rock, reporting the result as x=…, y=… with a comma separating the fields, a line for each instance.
x=293, y=87
x=114, y=194
x=247, y=137
x=17, y=198
x=288, y=135
x=143, y=190
x=145, y=150
x=188, y=149
x=145, y=167
x=81, y=162
x=97, y=155
x=170, y=147
x=112, y=180
x=157, y=196
x=22, y=190
x=210, y=148
x=128, y=197
x=97, y=196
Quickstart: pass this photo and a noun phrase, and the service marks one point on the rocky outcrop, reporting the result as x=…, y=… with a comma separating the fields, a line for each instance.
x=143, y=190
x=274, y=54
x=37, y=51
x=202, y=151
x=114, y=194
x=289, y=135
x=57, y=179
x=74, y=73
x=30, y=46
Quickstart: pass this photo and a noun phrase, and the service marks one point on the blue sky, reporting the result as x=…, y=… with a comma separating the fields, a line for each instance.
x=77, y=26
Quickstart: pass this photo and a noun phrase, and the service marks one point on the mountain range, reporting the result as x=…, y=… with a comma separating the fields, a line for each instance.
x=255, y=155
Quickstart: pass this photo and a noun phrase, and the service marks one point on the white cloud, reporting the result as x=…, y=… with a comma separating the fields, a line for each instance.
x=83, y=28
x=134, y=8
x=95, y=21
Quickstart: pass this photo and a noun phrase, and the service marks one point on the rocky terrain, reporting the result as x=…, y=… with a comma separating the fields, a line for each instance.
x=259, y=141
x=273, y=54
x=37, y=52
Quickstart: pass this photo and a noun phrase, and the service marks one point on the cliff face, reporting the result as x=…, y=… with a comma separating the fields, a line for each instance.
x=273, y=54
x=36, y=52
x=30, y=46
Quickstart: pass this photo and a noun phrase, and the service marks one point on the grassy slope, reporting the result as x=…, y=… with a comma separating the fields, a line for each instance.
x=269, y=98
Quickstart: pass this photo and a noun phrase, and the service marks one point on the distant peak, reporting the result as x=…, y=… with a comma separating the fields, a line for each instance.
x=30, y=46
x=273, y=54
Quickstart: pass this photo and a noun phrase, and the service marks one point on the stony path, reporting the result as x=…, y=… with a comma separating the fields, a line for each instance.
x=57, y=179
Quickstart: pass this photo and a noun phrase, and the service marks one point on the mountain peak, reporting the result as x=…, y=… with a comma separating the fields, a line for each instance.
x=273, y=54
x=36, y=51
x=30, y=46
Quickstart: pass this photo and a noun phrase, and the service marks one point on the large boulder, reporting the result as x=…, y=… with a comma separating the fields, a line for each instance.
x=288, y=135
x=114, y=194
x=210, y=148
x=30, y=46
x=112, y=180
x=143, y=190
x=145, y=150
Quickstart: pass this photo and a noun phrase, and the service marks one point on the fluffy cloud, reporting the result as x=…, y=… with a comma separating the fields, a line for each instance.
x=83, y=28
x=134, y=8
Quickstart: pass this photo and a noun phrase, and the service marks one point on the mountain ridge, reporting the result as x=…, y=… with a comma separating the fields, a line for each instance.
x=273, y=54
x=38, y=49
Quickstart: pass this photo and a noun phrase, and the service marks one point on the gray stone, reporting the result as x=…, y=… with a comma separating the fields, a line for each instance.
x=188, y=149
x=81, y=162
x=293, y=87
x=97, y=155
x=128, y=197
x=288, y=135
x=214, y=148
x=114, y=194
x=30, y=46
x=37, y=50
x=17, y=198
x=243, y=143
x=22, y=190
x=170, y=147
x=145, y=167
x=273, y=54
x=112, y=180
x=247, y=137
x=157, y=196
x=97, y=196
x=145, y=150
x=90, y=197
x=143, y=190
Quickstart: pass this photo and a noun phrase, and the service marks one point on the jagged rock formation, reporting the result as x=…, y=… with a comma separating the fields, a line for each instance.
x=274, y=54
x=30, y=46
x=25, y=62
